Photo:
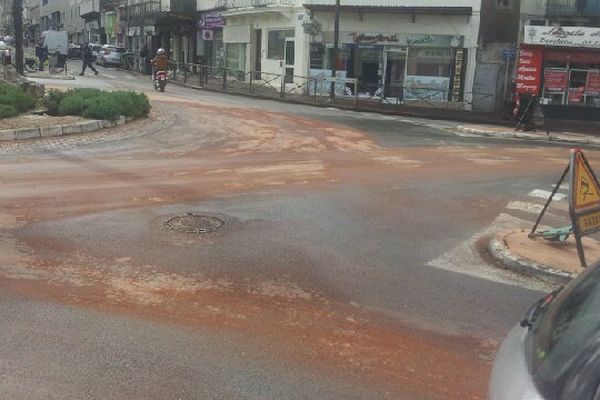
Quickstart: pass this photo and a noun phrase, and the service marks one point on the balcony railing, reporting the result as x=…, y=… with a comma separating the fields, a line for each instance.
x=234, y=4
x=158, y=6
x=89, y=7
x=573, y=8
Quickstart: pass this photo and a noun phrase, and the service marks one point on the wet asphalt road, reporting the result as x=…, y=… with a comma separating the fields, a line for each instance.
x=386, y=224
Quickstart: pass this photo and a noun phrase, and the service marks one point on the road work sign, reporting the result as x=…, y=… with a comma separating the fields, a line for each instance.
x=584, y=199
x=586, y=191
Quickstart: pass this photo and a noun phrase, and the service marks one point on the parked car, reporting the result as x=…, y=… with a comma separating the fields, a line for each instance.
x=110, y=55
x=74, y=50
x=554, y=353
x=96, y=48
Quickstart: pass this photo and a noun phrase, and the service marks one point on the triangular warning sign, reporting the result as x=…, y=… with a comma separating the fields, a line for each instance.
x=585, y=188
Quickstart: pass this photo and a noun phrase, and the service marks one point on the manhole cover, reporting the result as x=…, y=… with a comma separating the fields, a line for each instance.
x=194, y=223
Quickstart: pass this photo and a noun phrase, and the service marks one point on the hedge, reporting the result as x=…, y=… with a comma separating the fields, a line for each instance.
x=14, y=101
x=97, y=104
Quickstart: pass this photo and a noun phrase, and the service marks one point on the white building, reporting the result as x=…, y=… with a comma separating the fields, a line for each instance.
x=404, y=50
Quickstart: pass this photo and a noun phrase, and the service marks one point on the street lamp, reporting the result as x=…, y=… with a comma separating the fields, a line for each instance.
x=336, y=42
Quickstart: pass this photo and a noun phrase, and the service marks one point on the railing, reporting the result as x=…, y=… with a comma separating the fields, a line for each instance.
x=349, y=91
x=233, y=4
x=575, y=8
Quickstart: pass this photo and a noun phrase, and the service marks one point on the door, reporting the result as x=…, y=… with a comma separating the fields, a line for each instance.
x=258, y=63
x=395, y=69
x=290, y=59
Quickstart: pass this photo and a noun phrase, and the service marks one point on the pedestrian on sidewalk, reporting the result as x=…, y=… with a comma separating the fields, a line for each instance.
x=41, y=52
x=87, y=57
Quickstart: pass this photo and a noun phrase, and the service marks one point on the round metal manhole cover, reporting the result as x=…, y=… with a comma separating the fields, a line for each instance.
x=194, y=223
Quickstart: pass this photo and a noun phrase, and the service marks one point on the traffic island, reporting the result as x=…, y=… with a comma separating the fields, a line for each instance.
x=79, y=126
x=550, y=261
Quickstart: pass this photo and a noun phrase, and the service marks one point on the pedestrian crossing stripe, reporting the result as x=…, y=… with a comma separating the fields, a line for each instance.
x=586, y=191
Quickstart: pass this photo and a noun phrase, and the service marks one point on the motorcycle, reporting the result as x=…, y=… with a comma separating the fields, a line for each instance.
x=160, y=81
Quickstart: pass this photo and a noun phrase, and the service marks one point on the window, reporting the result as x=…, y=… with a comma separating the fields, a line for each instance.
x=504, y=4
x=430, y=62
x=276, y=44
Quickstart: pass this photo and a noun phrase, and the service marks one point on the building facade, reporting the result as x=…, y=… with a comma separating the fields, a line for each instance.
x=559, y=56
x=399, y=50
x=62, y=15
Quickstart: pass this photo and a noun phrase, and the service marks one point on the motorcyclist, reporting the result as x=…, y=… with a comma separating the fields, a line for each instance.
x=160, y=62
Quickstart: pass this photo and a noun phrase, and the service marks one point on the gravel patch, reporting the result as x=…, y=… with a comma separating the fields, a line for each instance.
x=37, y=121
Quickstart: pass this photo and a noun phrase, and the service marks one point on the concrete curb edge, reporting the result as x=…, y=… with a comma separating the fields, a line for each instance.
x=60, y=130
x=528, y=136
x=543, y=272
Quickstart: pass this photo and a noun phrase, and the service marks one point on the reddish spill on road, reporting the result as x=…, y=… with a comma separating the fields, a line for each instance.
x=216, y=151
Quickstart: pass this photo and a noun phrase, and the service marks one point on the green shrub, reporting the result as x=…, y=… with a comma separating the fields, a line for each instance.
x=7, y=111
x=53, y=99
x=98, y=104
x=102, y=107
x=14, y=96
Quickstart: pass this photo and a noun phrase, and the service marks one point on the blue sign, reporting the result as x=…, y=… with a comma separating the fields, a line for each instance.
x=509, y=54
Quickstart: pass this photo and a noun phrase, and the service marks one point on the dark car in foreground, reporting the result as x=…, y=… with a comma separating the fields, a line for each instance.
x=554, y=353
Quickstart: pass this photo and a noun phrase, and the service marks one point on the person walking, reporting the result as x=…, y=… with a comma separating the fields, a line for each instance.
x=87, y=57
x=41, y=52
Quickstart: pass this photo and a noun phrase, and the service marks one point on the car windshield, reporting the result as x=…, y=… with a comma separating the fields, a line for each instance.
x=563, y=333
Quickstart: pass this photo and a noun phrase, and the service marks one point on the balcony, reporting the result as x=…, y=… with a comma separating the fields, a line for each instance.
x=237, y=4
x=573, y=8
x=89, y=9
x=153, y=8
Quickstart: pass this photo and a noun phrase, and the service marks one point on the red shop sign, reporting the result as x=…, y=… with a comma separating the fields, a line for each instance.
x=529, y=71
x=576, y=95
x=593, y=83
x=555, y=80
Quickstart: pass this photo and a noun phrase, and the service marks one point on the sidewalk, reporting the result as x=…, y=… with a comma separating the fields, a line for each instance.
x=68, y=76
x=549, y=261
x=580, y=134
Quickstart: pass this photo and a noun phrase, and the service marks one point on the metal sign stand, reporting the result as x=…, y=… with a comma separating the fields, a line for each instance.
x=584, y=204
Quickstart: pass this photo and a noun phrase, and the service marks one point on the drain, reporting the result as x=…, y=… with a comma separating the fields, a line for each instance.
x=194, y=223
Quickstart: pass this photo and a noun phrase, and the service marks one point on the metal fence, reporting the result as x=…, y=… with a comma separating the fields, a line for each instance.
x=349, y=91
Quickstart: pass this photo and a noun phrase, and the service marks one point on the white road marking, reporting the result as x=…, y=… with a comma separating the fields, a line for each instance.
x=545, y=194
x=525, y=207
x=465, y=258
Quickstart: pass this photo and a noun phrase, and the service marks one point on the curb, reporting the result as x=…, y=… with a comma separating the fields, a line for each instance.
x=58, y=77
x=521, y=265
x=61, y=130
x=528, y=136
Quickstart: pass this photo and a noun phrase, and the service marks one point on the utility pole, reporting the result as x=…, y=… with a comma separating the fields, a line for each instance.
x=336, y=43
x=18, y=24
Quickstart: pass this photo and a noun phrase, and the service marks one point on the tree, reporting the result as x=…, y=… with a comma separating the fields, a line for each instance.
x=18, y=25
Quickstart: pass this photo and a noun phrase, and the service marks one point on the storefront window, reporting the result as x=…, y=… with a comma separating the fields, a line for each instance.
x=276, y=44
x=236, y=59
x=428, y=73
x=430, y=62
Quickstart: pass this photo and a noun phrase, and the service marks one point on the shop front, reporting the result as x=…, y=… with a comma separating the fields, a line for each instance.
x=402, y=67
x=561, y=65
x=209, y=38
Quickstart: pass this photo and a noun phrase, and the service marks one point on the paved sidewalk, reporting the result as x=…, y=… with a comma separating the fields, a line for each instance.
x=549, y=261
x=582, y=136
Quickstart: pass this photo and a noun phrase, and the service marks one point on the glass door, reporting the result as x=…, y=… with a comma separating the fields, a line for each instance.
x=290, y=59
x=395, y=71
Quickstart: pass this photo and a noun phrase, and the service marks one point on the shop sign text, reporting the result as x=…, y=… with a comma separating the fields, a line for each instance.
x=400, y=39
x=363, y=38
x=593, y=83
x=565, y=36
x=529, y=70
x=211, y=20
x=555, y=80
